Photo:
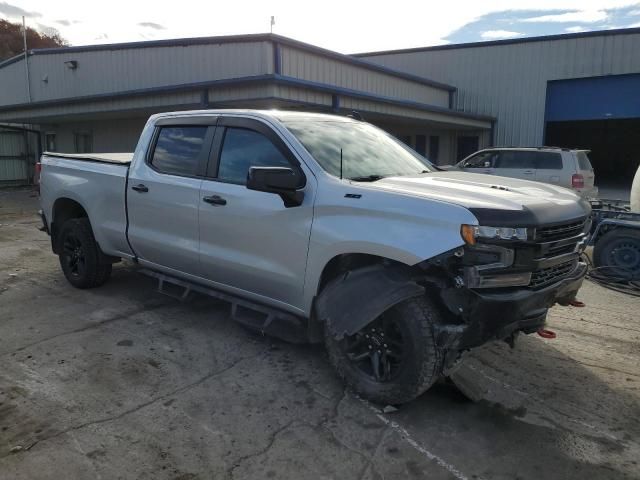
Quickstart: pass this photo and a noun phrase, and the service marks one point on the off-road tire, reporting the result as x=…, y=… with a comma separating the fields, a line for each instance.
x=422, y=367
x=95, y=269
x=619, y=238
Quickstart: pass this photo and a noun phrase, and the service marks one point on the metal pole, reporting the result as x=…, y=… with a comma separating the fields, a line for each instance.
x=26, y=58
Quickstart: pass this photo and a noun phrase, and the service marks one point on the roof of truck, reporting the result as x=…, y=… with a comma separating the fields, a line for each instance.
x=277, y=114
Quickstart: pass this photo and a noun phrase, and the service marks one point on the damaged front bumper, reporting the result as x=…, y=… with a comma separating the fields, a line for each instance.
x=497, y=314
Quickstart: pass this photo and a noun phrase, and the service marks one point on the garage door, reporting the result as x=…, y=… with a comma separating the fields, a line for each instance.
x=595, y=98
x=601, y=114
x=14, y=158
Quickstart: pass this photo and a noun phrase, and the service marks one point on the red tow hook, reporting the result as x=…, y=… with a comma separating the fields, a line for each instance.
x=576, y=303
x=548, y=334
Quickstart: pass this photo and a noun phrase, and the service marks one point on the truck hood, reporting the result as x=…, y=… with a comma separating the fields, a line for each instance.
x=497, y=201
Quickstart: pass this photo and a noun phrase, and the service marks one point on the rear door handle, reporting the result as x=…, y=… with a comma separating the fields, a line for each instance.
x=140, y=188
x=529, y=172
x=214, y=200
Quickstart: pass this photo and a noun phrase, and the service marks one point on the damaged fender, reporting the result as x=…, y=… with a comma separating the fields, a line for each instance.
x=355, y=299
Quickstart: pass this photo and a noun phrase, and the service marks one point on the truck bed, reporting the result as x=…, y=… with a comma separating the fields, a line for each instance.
x=115, y=158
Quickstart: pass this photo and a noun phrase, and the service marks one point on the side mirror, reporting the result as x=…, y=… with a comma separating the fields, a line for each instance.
x=286, y=182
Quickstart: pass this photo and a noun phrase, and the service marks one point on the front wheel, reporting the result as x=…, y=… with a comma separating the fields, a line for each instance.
x=80, y=256
x=393, y=359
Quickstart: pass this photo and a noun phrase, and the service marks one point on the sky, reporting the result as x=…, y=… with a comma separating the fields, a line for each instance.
x=346, y=26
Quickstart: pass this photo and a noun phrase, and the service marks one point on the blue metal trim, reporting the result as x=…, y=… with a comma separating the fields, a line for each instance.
x=256, y=37
x=542, y=38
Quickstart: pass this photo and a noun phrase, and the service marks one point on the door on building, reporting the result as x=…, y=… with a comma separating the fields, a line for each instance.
x=467, y=144
x=601, y=114
x=14, y=157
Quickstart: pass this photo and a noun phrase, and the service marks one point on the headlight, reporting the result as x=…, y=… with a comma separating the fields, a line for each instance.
x=471, y=232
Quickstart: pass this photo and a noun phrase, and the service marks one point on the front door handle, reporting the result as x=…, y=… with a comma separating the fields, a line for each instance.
x=215, y=200
x=529, y=172
x=140, y=188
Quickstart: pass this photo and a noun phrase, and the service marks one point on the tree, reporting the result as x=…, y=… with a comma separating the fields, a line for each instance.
x=11, y=43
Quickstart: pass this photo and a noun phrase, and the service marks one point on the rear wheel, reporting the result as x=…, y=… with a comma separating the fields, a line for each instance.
x=80, y=257
x=619, y=251
x=394, y=359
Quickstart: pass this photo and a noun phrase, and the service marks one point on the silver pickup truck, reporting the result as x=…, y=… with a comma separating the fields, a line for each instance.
x=324, y=228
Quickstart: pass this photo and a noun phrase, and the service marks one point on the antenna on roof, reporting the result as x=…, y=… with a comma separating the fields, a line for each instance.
x=273, y=22
x=340, y=164
x=355, y=115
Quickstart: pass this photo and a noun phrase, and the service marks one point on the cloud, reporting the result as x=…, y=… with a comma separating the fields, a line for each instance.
x=574, y=29
x=67, y=23
x=633, y=25
x=13, y=11
x=155, y=26
x=580, y=16
x=497, y=34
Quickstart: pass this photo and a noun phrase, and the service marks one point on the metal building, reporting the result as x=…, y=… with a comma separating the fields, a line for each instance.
x=97, y=98
x=575, y=90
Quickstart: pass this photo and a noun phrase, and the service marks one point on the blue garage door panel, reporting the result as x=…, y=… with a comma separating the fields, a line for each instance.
x=595, y=98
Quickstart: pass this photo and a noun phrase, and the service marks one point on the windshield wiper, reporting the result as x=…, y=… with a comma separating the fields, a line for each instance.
x=367, y=178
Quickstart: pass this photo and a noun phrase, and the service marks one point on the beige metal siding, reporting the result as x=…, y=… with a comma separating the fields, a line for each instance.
x=125, y=107
x=317, y=68
x=510, y=81
x=109, y=71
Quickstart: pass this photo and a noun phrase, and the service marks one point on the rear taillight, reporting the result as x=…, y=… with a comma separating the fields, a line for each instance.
x=577, y=180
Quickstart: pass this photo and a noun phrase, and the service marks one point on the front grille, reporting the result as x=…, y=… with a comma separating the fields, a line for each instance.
x=558, y=232
x=547, y=276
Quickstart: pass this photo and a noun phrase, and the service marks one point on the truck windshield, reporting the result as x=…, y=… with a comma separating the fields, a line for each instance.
x=368, y=153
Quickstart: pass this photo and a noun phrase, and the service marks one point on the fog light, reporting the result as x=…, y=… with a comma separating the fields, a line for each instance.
x=473, y=279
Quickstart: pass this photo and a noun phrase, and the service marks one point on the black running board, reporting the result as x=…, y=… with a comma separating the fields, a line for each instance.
x=255, y=316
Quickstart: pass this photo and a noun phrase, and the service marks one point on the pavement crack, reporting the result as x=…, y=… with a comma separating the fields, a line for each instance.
x=262, y=451
x=121, y=316
x=369, y=464
x=141, y=406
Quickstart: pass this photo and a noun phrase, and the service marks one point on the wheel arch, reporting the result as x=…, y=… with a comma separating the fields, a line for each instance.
x=64, y=208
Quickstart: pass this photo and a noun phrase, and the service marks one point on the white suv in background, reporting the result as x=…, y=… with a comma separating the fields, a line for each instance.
x=560, y=166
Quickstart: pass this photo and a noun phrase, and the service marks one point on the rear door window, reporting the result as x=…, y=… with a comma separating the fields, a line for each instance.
x=548, y=161
x=515, y=159
x=178, y=150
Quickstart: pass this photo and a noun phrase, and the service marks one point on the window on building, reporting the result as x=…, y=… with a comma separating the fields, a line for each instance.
x=178, y=150
x=434, y=148
x=421, y=145
x=83, y=142
x=243, y=149
x=50, y=142
x=467, y=144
